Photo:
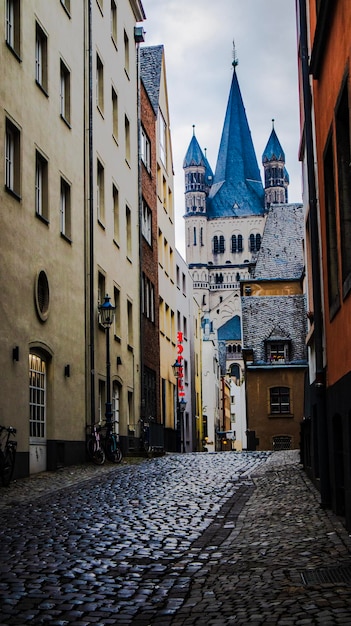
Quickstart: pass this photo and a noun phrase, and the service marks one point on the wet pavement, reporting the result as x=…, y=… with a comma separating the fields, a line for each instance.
x=217, y=539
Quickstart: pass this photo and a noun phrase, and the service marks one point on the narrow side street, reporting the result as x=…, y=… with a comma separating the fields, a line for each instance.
x=226, y=538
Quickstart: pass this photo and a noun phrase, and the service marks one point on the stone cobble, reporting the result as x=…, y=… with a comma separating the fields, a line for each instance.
x=181, y=540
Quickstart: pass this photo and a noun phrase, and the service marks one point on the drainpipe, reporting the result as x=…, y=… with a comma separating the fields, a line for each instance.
x=91, y=222
x=319, y=382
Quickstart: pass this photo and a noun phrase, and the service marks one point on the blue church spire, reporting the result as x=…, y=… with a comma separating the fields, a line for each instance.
x=237, y=189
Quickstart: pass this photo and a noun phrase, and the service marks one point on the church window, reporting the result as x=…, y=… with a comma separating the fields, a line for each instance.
x=240, y=243
x=252, y=243
x=221, y=244
x=201, y=236
x=258, y=242
x=234, y=243
x=215, y=245
x=194, y=240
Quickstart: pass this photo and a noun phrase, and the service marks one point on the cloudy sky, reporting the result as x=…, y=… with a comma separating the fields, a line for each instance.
x=198, y=39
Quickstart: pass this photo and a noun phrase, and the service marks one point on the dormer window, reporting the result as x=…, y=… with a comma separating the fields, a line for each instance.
x=277, y=352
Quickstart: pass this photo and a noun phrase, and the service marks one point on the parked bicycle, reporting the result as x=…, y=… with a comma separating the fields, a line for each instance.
x=111, y=445
x=94, y=448
x=7, y=454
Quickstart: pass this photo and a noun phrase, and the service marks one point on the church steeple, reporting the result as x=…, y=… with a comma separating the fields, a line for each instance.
x=237, y=189
x=275, y=174
x=198, y=177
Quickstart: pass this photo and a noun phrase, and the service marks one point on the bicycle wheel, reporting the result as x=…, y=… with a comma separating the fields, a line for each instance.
x=113, y=451
x=90, y=448
x=98, y=456
x=8, y=466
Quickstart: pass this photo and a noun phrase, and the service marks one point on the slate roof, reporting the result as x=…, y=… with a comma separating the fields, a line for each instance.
x=195, y=156
x=231, y=330
x=150, y=72
x=237, y=189
x=281, y=255
x=273, y=150
x=272, y=317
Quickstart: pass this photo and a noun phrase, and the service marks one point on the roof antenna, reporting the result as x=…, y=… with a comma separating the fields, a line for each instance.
x=235, y=61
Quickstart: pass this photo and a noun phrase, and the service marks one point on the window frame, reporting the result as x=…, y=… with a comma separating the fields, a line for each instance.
x=146, y=223
x=65, y=209
x=41, y=187
x=65, y=93
x=41, y=58
x=12, y=158
x=12, y=27
x=145, y=148
x=280, y=401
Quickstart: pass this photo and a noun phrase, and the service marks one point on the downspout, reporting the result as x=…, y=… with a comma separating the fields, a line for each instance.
x=91, y=223
x=319, y=382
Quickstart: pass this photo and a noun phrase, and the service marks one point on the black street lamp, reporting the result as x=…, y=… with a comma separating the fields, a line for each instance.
x=181, y=406
x=107, y=313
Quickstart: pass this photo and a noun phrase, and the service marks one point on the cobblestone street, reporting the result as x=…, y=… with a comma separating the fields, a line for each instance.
x=225, y=538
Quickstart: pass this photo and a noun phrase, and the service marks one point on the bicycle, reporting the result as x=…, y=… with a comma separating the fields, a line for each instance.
x=111, y=445
x=94, y=449
x=7, y=454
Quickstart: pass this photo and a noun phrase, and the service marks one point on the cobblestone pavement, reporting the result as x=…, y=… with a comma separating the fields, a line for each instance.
x=195, y=539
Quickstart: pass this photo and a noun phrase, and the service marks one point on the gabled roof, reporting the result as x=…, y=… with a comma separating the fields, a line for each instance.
x=281, y=254
x=273, y=150
x=237, y=188
x=150, y=72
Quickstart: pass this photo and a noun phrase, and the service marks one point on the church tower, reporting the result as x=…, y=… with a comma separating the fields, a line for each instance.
x=198, y=180
x=276, y=176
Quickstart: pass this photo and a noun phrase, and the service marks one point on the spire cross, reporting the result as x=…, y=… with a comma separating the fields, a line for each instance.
x=193, y=130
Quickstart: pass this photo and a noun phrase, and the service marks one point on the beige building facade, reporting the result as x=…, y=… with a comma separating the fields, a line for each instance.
x=69, y=223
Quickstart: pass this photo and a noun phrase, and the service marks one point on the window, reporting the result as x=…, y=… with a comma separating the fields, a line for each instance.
x=114, y=114
x=41, y=59
x=65, y=209
x=100, y=192
x=115, y=406
x=117, y=316
x=146, y=226
x=99, y=84
x=254, y=242
x=41, y=186
x=148, y=298
x=12, y=158
x=278, y=352
x=215, y=244
x=126, y=53
x=240, y=243
x=130, y=323
x=162, y=136
x=221, y=244
x=115, y=201
x=201, y=236
x=127, y=138
x=129, y=232
x=42, y=295
x=332, y=250
x=279, y=400
x=65, y=92
x=342, y=124
x=13, y=25
x=234, y=244
x=37, y=397
x=145, y=149
x=114, y=22
x=150, y=392
x=194, y=236
x=101, y=289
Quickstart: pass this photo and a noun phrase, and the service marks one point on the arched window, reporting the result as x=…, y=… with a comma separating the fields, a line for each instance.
x=194, y=241
x=234, y=244
x=258, y=241
x=201, y=236
x=215, y=244
x=240, y=243
x=252, y=243
x=221, y=244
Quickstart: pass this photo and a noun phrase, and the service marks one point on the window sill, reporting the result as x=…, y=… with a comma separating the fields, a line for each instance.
x=13, y=51
x=130, y=348
x=13, y=193
x=101, y=224
x=42, y=88
x=65, y=121
x=42, y=218
x=281, y=415
x=68, y=239
x=117, y=338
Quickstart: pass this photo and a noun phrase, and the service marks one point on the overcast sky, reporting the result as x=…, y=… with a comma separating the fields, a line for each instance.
x=198, y=39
